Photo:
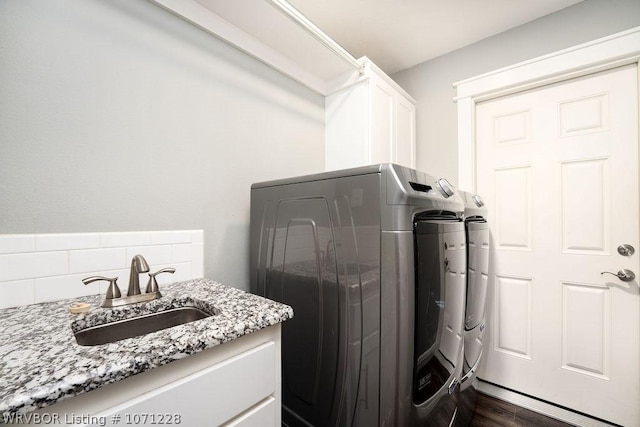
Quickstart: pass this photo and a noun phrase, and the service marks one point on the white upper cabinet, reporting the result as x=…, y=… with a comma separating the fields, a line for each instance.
x=369, y=119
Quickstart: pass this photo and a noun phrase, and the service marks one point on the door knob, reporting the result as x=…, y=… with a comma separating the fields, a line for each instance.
x=626, y=250
x=624, y=275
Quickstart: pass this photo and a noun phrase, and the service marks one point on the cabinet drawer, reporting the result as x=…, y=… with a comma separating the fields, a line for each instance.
x=216, y=394
x=262, y=415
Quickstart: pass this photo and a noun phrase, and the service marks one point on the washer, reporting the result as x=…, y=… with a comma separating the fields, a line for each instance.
x=373, y=262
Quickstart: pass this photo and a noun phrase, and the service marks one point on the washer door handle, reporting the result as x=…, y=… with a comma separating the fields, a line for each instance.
x=624, y=275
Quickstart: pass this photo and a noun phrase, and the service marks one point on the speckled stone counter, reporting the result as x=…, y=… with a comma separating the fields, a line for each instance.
x=41, y=362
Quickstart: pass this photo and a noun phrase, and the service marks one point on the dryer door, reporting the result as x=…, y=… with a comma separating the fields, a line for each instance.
x=478, y=271
x=439, y=306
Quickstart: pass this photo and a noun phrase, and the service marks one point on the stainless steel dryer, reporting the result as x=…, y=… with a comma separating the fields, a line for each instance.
x=372, y=260
x=477, y=235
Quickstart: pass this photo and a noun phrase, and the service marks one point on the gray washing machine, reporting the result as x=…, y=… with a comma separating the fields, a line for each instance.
x=477, y=234
x=373, y=262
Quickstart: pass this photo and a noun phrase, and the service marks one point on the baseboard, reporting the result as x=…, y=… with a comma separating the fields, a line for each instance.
x=539, y=406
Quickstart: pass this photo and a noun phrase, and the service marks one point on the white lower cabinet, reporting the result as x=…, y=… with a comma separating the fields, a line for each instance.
x=234, y=384
x=211, y=396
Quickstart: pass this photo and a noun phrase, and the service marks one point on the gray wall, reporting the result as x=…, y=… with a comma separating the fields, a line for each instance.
x=117, y=116
x=430, y=83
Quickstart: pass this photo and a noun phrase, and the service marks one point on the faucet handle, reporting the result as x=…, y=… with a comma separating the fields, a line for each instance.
x=112, y=291
x=152, y=284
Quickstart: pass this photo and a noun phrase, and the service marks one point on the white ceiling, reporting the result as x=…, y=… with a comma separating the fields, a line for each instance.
x=398, y=34
x=394, y=34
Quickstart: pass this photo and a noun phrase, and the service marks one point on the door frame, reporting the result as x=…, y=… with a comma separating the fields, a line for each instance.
x=602, y=54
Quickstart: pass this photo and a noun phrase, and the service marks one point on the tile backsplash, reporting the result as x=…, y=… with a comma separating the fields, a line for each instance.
x=37, y=268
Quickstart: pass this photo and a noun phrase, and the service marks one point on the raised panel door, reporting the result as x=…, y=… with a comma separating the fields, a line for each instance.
x=558, y=167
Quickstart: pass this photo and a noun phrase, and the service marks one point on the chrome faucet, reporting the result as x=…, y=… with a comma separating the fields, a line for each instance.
x=138, y=265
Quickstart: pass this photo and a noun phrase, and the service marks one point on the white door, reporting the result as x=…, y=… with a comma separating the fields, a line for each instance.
x=558, y=168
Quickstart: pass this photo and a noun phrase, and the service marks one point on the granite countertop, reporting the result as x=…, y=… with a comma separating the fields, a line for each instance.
x=41, y=362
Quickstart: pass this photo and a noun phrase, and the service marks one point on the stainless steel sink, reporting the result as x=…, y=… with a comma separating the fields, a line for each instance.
x=128, y=328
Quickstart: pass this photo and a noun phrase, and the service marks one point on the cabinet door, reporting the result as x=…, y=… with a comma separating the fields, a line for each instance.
x=382, y=118
x=405, y=141
x=347, y=127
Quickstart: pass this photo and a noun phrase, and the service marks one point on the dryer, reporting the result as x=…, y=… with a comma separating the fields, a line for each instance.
x=373, y=262
x=477, y=236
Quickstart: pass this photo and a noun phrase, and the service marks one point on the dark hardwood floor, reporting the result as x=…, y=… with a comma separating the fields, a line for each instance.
x=491, y=412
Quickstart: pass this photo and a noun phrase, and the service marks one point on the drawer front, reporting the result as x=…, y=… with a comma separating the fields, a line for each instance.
x=261, y=415
x=216, y=394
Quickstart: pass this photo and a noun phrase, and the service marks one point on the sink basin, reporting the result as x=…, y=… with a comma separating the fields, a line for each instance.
x=128, y=328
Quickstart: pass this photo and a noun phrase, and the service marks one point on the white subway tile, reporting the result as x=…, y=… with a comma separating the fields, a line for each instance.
x=170, y=237
x=97, y=259
x=62, y=287
x=49, y=267
x=183, y=272
x=197, y=272
x=32, y=265
x=197, y=236
x=181, y=253
x=62, y=242
x=124, y=239
x=17, y=243
x=17, y=293
x=160, y=254
x=197, y=261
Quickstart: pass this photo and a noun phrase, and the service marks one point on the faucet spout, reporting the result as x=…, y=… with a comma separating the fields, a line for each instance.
x=138, y=265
